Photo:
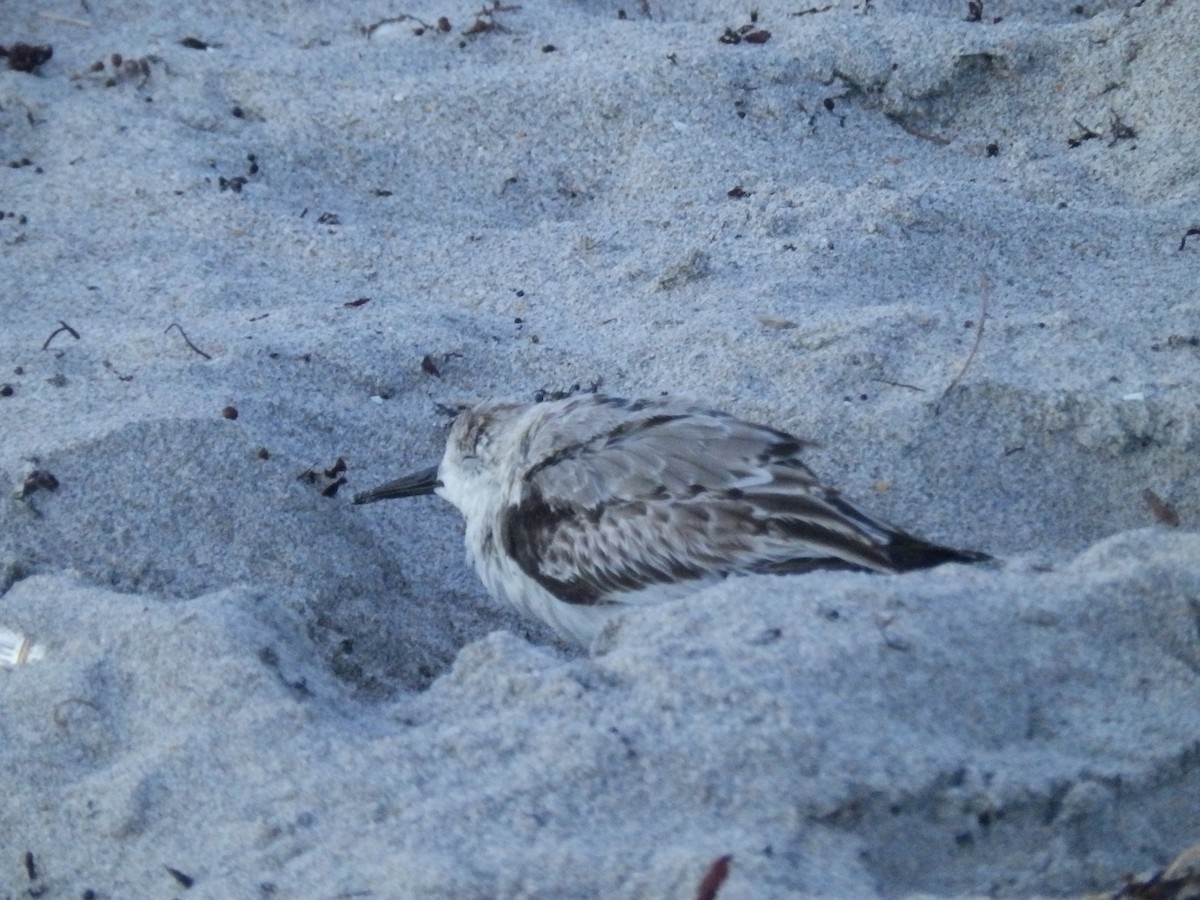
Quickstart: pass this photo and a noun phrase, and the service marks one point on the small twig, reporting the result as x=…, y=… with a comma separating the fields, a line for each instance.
x=485, y=18
x=1087, y=135
x=917, y=132
x=985, y=290
x=67, y=20
x=369, y=30
x=911, y=387
x=62, y=326
x=186, y=339
x=813, y=9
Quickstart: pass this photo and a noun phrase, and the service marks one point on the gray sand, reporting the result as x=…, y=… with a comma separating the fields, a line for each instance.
x=277, y=693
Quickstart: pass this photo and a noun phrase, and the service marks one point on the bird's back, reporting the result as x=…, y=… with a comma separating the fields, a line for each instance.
x=617, y=501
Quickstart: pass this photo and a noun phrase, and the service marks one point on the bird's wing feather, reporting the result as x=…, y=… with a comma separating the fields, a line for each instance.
x=671, y=494
x=622, y=449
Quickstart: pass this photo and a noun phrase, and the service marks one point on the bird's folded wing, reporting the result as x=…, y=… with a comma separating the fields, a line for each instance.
x=648, y=451
x=676, y=499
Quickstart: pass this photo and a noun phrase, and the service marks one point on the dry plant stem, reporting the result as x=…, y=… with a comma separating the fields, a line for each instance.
x=55, y=17
x=985, y=292
x=62, y=326
x=186, y=339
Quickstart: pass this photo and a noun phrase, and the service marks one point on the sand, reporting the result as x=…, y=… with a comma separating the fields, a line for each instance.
x=303, y=238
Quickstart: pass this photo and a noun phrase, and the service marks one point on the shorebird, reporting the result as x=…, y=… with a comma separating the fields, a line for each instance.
x=578, y=508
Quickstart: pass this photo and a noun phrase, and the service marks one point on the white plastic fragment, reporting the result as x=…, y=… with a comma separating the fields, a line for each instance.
x=16, y=649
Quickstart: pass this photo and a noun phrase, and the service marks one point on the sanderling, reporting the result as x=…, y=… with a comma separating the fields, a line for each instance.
x=577, y=508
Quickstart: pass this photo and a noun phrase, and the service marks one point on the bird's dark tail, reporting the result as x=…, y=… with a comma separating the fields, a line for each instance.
x=906, y=552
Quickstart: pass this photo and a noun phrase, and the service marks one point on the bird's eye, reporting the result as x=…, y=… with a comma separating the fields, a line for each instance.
x=475, y=443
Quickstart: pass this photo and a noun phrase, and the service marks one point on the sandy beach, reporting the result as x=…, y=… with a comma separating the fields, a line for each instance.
x=254, y=257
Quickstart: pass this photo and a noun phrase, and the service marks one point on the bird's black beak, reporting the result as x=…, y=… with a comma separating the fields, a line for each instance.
x=413, y=485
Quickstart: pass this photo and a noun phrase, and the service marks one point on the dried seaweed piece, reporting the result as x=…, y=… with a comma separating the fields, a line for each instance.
x=37, y=480
x=184, y=879
x=714, y=878
x=26, y=57
x=1163, y=511
x=330, y=479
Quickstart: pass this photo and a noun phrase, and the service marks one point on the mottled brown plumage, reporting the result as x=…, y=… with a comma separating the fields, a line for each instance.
x=578, y=507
